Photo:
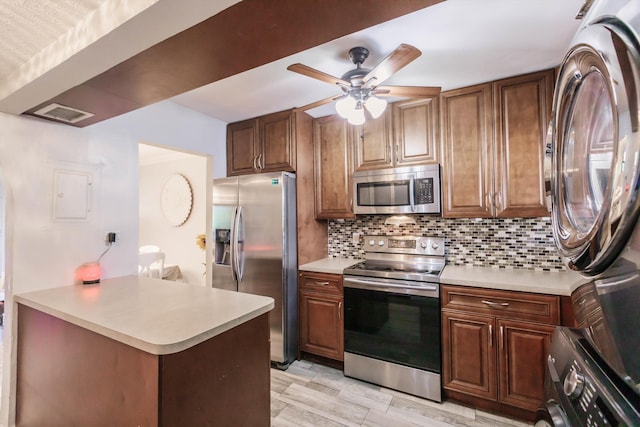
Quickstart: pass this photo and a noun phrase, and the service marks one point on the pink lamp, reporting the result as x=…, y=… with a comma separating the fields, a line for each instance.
x=90, y=273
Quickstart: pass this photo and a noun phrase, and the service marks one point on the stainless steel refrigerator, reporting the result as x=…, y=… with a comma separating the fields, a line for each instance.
x=255, y=249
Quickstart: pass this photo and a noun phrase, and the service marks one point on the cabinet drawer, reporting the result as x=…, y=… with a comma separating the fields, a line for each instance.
x=320, y=282
x=516, y=305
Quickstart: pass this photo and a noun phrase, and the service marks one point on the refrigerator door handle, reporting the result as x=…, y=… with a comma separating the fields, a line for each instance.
x=239, y=265
x=233, y=244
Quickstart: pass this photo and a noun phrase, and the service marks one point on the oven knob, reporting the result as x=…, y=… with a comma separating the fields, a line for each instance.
x=573, y=384
x=380, y=243
x=372, y=242
x=434, y=245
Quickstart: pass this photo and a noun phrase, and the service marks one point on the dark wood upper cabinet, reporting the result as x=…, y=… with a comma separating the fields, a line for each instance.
x=333, y=166
x=263, y=144
x=467, y=127
x=493, y=138
x=415, y=128
x=242, y=139
x=373, y=143
x=404, y=135
x=522, y=109
x=277, y=142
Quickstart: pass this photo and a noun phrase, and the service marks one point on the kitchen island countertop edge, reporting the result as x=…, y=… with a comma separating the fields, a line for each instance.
x=153, y=315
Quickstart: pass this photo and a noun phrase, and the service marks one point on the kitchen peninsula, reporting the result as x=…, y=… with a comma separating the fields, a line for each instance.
x=138, y=351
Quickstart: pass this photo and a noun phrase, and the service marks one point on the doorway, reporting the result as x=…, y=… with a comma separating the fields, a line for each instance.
x=175, y=228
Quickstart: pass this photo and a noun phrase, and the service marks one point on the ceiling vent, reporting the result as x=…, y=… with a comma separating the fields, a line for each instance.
x=62, y=113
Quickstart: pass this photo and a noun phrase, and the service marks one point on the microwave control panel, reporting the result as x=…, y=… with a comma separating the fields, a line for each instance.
x=424, y=191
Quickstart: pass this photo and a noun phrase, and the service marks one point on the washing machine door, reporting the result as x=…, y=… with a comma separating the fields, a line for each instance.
x=595, y=147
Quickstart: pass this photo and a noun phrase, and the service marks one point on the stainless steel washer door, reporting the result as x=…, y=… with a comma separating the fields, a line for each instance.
x=596, y=147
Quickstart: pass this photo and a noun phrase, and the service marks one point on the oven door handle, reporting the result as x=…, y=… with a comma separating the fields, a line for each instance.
x=428, y=289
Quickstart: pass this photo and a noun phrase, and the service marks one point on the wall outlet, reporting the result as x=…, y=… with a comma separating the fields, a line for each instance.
x=356, y=238
x=111, y=237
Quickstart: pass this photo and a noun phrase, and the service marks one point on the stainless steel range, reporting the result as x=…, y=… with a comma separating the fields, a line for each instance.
x=392, y=314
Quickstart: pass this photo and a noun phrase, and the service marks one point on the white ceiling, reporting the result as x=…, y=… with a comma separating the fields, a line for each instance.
x=463, y=42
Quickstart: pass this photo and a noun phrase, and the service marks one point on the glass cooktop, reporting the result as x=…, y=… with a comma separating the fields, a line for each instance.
x=424, y=272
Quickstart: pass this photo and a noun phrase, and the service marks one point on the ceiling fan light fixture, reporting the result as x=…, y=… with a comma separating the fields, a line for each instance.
x=345, y=106
x=356, y=116
x=375, y=106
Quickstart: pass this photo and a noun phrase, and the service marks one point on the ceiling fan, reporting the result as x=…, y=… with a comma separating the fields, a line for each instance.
x=361, y=86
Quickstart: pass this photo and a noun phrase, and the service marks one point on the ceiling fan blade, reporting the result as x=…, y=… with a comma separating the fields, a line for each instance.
x=409, y=91
x=316, y=74
x=396, y=60
x=318, y=103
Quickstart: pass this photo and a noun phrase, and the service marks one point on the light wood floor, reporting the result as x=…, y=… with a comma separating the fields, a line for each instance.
x=313, y=395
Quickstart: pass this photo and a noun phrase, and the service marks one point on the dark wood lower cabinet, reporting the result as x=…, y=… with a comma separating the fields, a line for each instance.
x=321, y=315
x=469, y=364
x=494, y=355
x=321, y=330
x=522, y=357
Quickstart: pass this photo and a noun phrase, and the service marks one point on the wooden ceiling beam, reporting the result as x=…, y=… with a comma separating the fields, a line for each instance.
x=248, y=34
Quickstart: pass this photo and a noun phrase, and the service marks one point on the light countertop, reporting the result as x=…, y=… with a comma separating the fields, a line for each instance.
x=156, y=316
x=543, y=282
x=329, y=265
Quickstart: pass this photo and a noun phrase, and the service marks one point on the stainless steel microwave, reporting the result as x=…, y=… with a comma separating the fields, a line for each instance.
x=406, y=190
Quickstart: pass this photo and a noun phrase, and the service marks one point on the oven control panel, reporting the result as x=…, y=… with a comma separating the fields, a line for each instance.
x=585, y=394
x=414, y=245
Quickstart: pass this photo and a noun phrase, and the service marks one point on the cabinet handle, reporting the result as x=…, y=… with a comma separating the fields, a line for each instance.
x=254, y=162
x=397, y=151
x=498, y=202
x=351, y=205
x=322, y=283
x=340, y=310
x=501, y=337
x=260, y=162
x=389, y=148
x=490, y=335
x=501, y=305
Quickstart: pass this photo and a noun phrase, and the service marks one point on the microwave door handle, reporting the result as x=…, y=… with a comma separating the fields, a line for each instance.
x=412, y=199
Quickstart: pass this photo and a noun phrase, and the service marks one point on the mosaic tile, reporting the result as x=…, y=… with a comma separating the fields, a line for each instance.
x=509, y=243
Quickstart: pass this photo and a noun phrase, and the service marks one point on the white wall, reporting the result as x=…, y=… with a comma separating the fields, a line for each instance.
x=43, y=253
x=170, y=125
x=178, y=243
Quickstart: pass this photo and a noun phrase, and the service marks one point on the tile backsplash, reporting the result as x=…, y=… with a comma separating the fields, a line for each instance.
x=488, y=242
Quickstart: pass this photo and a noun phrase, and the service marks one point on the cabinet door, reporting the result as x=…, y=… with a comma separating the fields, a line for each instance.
x=333, y=166
x=241, y=146
x=277, y=149
x=469, y=355
x=467, y=176
x=522, y=357
x=373, y=143
x=321, y=328
x=522, y=109
x=415, y=127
